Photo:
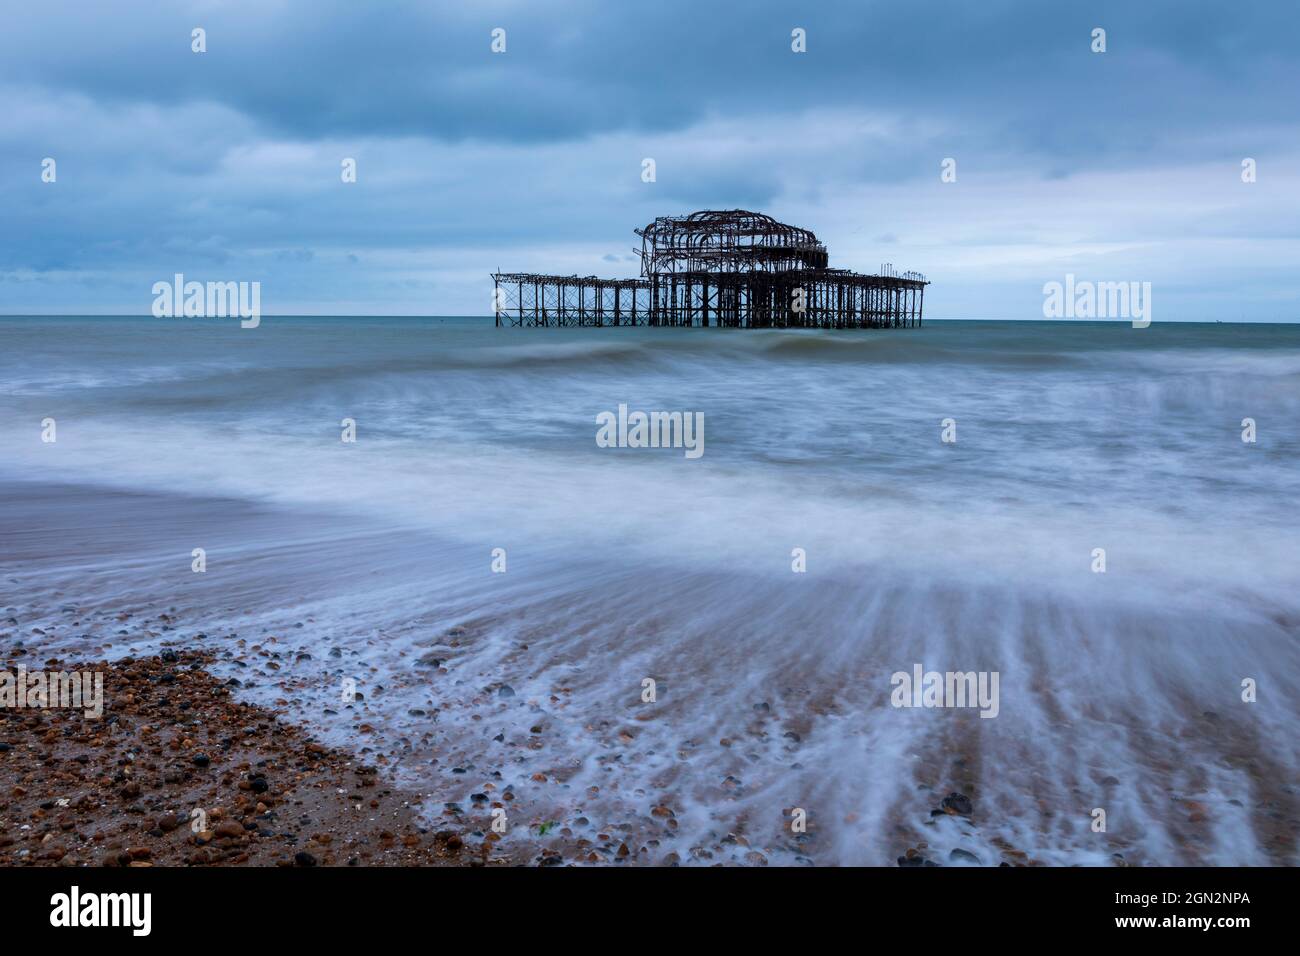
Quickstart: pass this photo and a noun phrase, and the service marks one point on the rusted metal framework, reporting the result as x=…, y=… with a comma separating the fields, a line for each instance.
x=734, y=241
x=732, y=269
x=527, y=299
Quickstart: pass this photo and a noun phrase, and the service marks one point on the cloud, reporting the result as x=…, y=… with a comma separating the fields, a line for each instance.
x=229, y=161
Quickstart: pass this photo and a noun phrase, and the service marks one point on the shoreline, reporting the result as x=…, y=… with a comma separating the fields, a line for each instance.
x=179, y=773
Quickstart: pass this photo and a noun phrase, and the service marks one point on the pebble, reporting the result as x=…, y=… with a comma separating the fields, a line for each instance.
x=146, y=753
x=957, y=803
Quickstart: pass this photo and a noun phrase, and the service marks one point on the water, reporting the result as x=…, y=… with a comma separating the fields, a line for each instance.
x=1120, y=691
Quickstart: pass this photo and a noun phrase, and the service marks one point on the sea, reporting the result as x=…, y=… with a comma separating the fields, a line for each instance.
x=649, y=657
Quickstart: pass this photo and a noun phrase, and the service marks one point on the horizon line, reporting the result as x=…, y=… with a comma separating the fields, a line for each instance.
x=490, y=317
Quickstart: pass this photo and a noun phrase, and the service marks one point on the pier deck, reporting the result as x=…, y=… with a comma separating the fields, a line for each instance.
x=831, y=299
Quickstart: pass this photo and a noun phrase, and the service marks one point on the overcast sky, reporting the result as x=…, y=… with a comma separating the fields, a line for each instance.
x=225, y=165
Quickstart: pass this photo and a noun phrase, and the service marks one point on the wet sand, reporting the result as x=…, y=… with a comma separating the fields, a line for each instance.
x=478, y=692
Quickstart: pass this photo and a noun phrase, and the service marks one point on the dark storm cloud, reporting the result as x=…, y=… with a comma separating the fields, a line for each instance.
x=230, y=159
x=572, y=69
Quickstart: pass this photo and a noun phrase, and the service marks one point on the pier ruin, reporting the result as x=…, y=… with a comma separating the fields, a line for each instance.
x=725, y=268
